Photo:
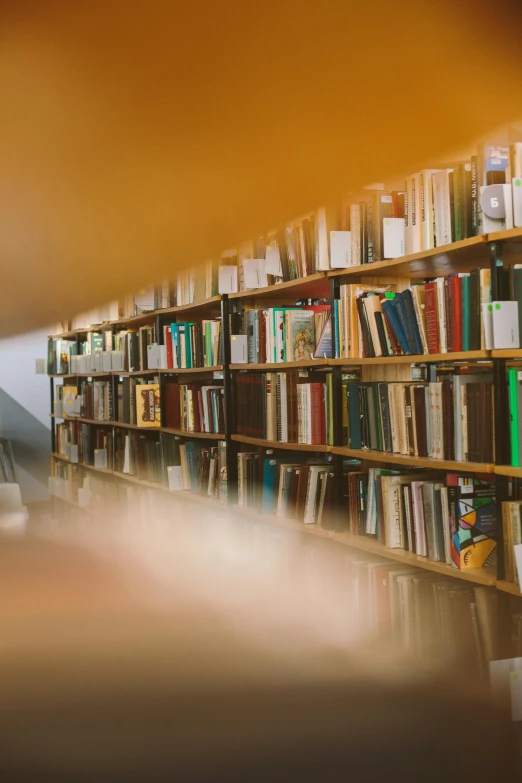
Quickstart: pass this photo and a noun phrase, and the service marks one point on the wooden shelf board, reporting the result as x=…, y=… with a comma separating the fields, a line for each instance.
x=133, y=372
x=282, y=366
x=421, y=462
x=509, y=587
x=204, y=304
x=508, y=235
x=513, y=353
x=190, y=370
x=440, y=261
x=482, y=576
x=189, y=435
x=508, y=470
x=313, y=286
x=274, y=444
x=415, y=359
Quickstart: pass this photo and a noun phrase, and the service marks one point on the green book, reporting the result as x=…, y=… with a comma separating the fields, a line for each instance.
x=465, y=312
x=514, y=416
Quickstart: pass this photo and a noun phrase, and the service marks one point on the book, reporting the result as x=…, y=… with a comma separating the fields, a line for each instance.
x=148, y=405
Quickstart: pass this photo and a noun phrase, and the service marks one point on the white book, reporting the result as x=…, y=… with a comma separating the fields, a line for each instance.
x=355, y=234
x=408, y=215
x=313, y=477
x=323, y=260
x=446, y=524
x=393, y=419
x=442, y=207
x=505, y=325
x=426, y=208
x=371, y=506
x=418, y=519
x=436, y=430
x=415, y=213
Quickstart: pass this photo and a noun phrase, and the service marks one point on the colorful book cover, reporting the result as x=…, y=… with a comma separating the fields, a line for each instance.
x=300, y=343
x=69, y=405
x=473, y=521
x=148, y=407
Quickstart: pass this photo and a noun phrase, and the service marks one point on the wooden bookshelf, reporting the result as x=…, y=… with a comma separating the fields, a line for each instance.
x=313, y=286
x=513, y=353
x=508, y=470
x=441, y=261
x=509, y=587
x=508, y=235
x=275, y=444
x=421, y=462
x=481, y=576
x=462, y=356
x=189, y=435
x=282, y=366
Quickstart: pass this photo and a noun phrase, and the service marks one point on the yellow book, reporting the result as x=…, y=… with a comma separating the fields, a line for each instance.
x=148, y=408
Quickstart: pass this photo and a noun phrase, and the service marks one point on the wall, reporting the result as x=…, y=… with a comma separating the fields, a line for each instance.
x=24, y=411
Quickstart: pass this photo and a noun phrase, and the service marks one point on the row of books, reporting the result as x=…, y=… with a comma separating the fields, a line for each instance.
x=284, y=406
x=293, y=487
x=159, y=458
x=449, y=519
x=428, y=613
x=436, y=207
x=287, y=334
x=188, y=407
x=440, y=316
x=432, y=615
x=193, y=344
x=451, y=418
x=194, y=284
x=194, y=407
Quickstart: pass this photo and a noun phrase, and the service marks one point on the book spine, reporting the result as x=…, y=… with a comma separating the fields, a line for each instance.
x=474, y=198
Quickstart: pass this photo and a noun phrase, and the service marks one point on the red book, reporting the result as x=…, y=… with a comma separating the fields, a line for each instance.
x=317, y=414
x=432, y=318
x=456, y=313
x=167, y=339
x=172, y=406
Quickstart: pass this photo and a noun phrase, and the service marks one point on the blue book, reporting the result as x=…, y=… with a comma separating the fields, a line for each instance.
x=268, y=495
x=407, y=326
x=388, y=308
x=175, y=344
x=407, y=298
x=354, y=419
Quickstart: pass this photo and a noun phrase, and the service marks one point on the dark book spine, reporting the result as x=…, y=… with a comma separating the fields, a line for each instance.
x=420, y=420
x=370, y=230
x=364, y=232
x=354, y=420
x=474, y=310
x=385, y=414
x=365, y=328
x=407, y=299
x=382, y=334
x=407, y=326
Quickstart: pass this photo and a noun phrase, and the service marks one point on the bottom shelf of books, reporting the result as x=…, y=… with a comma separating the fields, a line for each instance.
x=428, y=606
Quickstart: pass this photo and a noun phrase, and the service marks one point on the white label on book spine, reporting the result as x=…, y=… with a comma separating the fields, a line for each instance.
x=227, y=279
x=340, y=249
x=175, y=478
x=394, y=237
x=273, y=261
x=254, y=273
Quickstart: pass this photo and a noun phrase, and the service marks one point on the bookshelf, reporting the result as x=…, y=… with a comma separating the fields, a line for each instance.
x=482, y=251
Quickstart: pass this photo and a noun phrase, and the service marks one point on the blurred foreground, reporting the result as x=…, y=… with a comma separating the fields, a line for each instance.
x=209, y=648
